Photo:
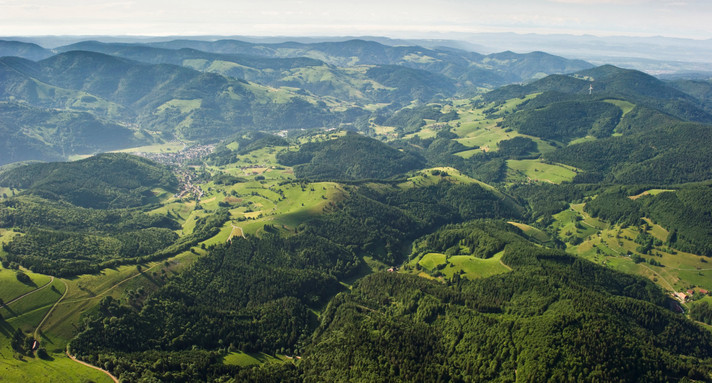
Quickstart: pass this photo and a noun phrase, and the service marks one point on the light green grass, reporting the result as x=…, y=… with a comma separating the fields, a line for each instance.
x=184, y=106
x=537, y=171
x=650, y=192
x=531, y=231
x=60, y=369
x=609, y=245
x=168, y=147
x=432, y=260
x=425, y=177
x=474, y=268
x=11, y=288
x=625, y=106
x=466, y=266
x=582, y=140
x=244, y=359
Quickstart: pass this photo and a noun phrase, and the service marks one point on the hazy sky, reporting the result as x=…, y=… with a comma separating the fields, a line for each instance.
x=396, y=18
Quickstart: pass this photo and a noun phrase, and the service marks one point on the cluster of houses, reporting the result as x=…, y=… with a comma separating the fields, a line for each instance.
x=187, y=154
x=187, y=186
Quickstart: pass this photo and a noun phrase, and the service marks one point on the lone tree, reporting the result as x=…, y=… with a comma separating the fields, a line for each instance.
x=22, y=277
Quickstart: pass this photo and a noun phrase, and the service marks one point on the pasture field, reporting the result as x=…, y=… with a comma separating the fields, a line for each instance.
x=537, y=171
x=650, y=192
x=625, y=106
x=5, y=191
x=426, y=177
x=244, y=359
x=615, y=247
x=58, y=368
x=531, y=231
x=466, y=266
x=11, y=288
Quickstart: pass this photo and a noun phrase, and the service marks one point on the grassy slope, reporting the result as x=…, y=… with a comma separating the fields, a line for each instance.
x=468, y=266
x=609, y=245
x=537, y=171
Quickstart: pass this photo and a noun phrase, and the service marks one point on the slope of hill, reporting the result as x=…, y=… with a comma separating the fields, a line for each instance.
x=352, y=157
x=166, y=98
x=28, y=51
x=561, y=319
x=102, y=181
x=469, y=69
x=29, y=133
x=609, y=81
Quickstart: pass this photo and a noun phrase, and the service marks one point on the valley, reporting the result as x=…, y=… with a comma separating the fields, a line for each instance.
x=340, y=211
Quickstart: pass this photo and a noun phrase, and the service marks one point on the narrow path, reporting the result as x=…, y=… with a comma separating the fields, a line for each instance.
x=37, y=329
x=91, y=366
x=232, y=233
x=33, y=291
x=661, y=277
x=115, y=285
x=505, y=265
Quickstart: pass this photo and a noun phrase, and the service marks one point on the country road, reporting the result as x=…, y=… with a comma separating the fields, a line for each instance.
x=92, y=366
x=37, y=329
x=31, y=292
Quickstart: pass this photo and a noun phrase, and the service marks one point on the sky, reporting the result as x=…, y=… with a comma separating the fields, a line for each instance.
x=393, y=18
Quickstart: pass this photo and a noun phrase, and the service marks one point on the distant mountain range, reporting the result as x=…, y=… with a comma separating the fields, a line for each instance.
x=130, y=94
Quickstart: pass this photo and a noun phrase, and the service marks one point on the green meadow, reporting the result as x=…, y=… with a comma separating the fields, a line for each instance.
x=538, y=171
x=467, y=266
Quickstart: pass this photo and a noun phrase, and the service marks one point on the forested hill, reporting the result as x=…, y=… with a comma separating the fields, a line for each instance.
x=29, y=51
x=102, y=181
x=608, y=81
x=170, y=99
x=464, y=67
x=352, y=157
x=558, y=319
x=45, y=134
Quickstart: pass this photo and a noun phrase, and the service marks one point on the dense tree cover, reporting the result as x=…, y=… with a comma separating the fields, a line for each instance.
x=75, y=219
x=68, y=253
x=351, y=157
x=701, y=311
x=553, y=318
x=543, y=200
x=111, y=180
x=378, y=222
x=687, y=214
x=565, y=121
x=517, y=147
x=28, y=133
x=669, y=154
x=411, y=84
x=33, y=212
x=62, y=239
x=250, y=294
x=616, y=206
x=409, y=120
